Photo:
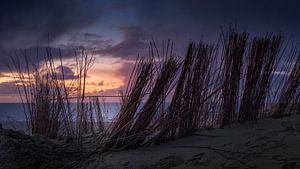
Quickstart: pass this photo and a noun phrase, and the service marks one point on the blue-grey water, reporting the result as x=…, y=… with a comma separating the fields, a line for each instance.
x=15, y=111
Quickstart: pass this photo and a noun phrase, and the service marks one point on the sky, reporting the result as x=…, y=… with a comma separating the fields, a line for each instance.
x=118, y=30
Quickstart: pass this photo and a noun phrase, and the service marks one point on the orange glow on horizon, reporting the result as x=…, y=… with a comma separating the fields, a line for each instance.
x=104, y=77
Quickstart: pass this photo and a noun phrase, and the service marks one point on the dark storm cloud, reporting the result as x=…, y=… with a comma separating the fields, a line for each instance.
x=195, y=19
x=26, y=23
x=34, y=55
x=185, y=20
x=65, y=72
x=70, y=43
x=30, y=22
x=134, y=42
x=87, y=41
x=11, y=87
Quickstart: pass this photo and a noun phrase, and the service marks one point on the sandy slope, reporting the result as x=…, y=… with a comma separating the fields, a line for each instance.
x=267, y=143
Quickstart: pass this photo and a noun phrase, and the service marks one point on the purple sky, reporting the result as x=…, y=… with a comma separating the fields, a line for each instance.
x=118, y=30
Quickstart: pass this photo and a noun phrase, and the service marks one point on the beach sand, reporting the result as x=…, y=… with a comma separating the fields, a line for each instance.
x=263, y=144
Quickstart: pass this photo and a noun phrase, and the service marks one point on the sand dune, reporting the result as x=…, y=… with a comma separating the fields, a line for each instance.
x=264, y=144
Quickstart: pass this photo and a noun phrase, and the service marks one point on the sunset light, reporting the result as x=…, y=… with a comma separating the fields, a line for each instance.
x=149, y=84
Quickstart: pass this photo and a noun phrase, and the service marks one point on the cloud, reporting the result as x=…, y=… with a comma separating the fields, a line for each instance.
x=135, y=41
x=108, y=92
x=88, y=41
x=4, y=75
x=8, y=88
x=215, y=13
x=34, y=55
x=101, y=83
x=65, y=72
x=30, y=22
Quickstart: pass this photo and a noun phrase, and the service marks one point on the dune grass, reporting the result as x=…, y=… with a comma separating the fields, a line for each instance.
x=209, y=87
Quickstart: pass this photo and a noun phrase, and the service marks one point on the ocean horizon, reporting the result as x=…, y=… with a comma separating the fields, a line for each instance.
x=14, y=112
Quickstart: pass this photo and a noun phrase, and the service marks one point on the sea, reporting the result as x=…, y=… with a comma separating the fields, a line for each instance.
x=14, y=112
x=12, y=115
